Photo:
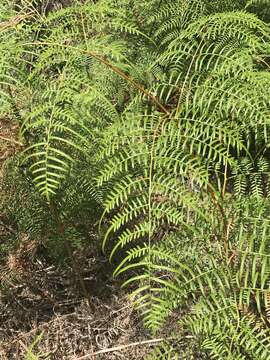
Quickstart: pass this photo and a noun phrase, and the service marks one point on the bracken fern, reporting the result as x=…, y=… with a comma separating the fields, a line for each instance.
x=158, y=114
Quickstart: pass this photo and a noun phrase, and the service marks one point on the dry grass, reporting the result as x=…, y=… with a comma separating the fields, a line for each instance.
x=44, y=301
x=9, y=143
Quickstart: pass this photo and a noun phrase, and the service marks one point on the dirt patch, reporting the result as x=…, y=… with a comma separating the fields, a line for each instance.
x=9, y=142
x=44, y=306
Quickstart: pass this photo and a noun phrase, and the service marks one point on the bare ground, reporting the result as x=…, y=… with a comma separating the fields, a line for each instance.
x=43, y=304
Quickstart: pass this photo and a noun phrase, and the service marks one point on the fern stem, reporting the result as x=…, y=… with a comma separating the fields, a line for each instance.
x=225, y=231
x=225, y=175
x=75, y=266
x=186, y=78
x=116, y=70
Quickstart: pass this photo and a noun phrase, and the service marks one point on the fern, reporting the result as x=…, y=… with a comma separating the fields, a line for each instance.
x=150, y=163
x=157, y=114
x=57, y=129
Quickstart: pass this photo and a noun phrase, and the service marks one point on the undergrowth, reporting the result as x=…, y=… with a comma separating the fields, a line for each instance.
x=151, y=121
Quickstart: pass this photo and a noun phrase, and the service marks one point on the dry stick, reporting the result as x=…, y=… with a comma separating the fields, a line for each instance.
x=23, y=345
x=10, y=140
x=115, y=69
x=121, y=347
x=15, y=20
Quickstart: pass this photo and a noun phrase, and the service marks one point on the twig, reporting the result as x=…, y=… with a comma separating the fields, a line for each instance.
x=121, y=347
x=10, y=140
x=15, y=20
x=23, y=345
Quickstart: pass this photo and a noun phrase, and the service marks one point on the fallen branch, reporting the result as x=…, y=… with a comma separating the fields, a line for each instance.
x=117, y=348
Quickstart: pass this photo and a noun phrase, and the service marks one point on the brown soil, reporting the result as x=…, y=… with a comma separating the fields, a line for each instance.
x=9, y=142
x=44, y=302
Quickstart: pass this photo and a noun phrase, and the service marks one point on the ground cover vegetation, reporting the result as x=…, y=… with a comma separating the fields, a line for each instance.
x=144, y=133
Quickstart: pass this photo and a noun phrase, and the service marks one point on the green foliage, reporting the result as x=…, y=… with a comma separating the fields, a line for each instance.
x=155, y=114
x=163, y=352
x=30, y=355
